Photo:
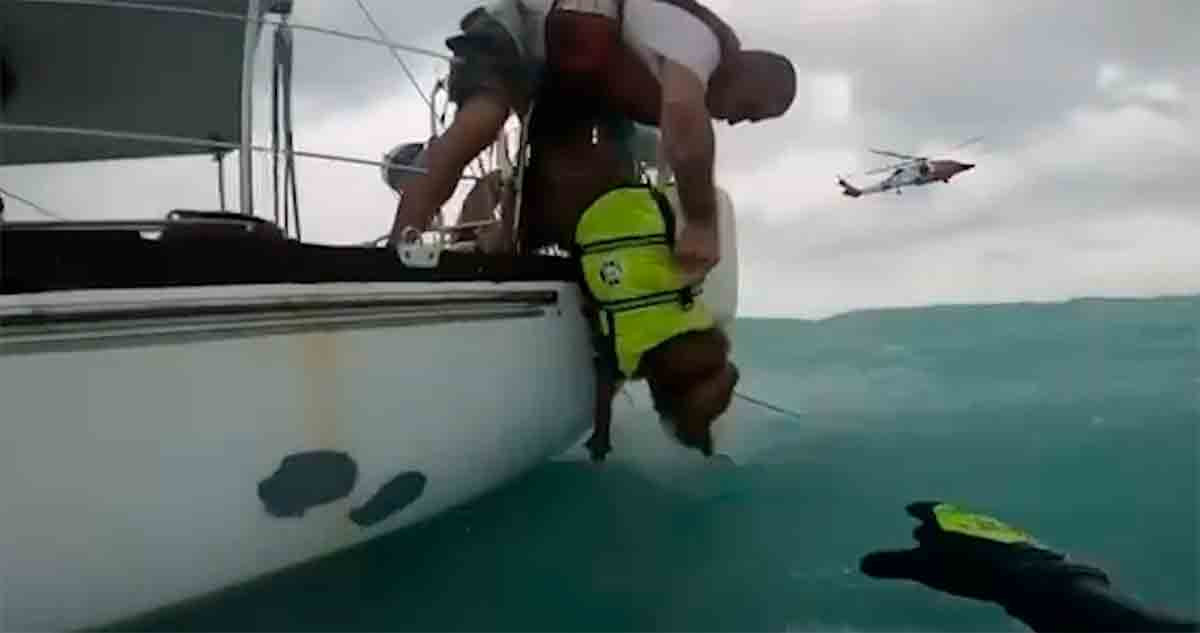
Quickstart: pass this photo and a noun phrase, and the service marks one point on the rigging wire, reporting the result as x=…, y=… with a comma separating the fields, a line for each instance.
x=125, y=4
x=404, y=66
x=32, y=205
x=202, y=143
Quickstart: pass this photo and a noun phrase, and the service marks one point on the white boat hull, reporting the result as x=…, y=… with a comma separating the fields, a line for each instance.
x=140, y=460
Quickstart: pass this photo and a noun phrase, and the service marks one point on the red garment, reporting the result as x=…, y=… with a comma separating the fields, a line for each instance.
x=590, y=61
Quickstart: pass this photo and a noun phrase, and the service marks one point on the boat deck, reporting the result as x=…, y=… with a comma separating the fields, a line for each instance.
x=44, y=259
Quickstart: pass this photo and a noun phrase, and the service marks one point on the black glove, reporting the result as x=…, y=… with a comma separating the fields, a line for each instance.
x=975, y=556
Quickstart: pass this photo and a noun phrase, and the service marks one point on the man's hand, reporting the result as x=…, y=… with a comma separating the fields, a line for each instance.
x=975, y=556
x=698, y=249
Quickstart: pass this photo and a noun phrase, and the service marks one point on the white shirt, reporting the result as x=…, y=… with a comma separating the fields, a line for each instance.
x=655, y=30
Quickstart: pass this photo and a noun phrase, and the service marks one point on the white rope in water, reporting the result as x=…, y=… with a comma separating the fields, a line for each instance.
x=383, y=36
x=770, y=407
x=144, y=6
x=205, y=143
x=36, y=207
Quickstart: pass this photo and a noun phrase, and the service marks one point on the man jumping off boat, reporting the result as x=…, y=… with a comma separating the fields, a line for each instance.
x=590, y=68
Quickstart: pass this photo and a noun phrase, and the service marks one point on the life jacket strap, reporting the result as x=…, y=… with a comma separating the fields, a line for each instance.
x=617, y=243
x=685, y=296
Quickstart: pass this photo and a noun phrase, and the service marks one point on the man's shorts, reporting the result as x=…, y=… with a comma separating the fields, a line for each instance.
x=488, y=61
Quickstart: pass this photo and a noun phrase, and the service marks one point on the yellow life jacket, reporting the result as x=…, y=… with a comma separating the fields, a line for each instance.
x=624, y=242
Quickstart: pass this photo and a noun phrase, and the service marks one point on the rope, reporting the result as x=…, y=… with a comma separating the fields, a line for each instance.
x=219, y=158
x=275, y=135
x=281, y=126
x=519, y=181
x=30, y=204
x=770, y=407
x=383, y=36
x=122, y=4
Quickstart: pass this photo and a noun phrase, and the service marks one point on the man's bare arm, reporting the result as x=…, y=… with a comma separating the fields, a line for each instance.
x=475, y=126
x=689, y=147
x=688, y=141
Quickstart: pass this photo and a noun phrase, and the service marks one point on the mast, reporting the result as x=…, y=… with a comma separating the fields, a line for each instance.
x=246, y=155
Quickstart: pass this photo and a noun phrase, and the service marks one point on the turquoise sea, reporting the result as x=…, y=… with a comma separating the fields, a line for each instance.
x=1078, y=421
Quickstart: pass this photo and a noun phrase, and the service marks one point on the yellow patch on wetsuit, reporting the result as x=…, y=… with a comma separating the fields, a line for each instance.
x=953, y=519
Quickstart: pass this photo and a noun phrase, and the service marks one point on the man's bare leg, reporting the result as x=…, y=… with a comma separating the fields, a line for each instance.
x=572, y=165
x=481, y=202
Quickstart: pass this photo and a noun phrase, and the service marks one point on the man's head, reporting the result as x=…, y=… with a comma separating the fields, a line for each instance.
x=753, y=86
x=691, y=381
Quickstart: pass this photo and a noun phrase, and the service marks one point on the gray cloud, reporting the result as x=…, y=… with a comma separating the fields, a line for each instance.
x=334, y=75
x=951, y=70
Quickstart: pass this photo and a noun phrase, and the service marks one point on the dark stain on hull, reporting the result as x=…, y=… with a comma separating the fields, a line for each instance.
x=394, y=496
x=307, y=480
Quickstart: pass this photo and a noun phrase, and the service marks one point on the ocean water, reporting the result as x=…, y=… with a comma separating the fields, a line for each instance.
x=1077, y=421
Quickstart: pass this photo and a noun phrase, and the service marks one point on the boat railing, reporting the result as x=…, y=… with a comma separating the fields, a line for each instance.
x=175, y=218
x=212, y=144
x=141, y=226
x=512, y=173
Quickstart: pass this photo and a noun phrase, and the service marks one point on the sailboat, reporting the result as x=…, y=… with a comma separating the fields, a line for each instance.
x=191, y=403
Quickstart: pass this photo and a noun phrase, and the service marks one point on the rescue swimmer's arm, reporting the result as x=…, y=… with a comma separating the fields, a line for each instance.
x=1089, y=605
x=979, y=557
x=600, y=444
x=688, y=143
x=475, y=126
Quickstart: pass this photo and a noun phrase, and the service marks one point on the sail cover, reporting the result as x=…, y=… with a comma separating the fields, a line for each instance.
x=118, y=68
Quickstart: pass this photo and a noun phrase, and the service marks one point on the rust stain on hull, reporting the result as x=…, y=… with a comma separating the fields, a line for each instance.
x=321, y=386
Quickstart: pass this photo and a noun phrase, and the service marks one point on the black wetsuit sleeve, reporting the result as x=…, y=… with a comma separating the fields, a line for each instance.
x=1089, y=605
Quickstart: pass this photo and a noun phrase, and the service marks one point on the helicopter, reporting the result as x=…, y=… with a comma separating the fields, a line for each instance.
x=912, y=171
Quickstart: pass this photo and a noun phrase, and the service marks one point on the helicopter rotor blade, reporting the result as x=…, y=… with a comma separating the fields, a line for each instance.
x=970, y=141
x=905, y=157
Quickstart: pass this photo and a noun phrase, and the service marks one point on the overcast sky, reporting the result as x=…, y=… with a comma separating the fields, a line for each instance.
x=1086, y=183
